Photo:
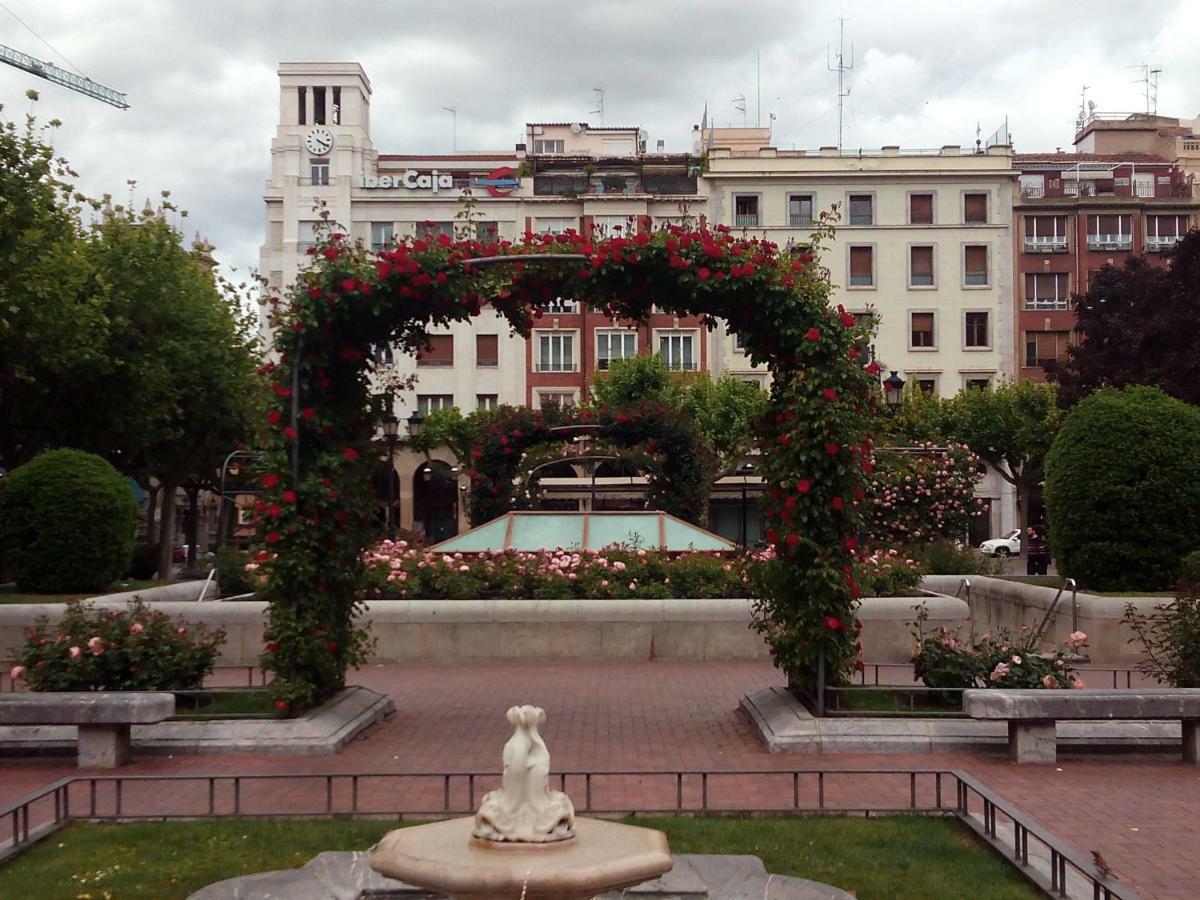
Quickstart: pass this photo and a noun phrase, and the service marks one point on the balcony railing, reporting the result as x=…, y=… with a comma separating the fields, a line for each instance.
x=1030, y=192
x=487, y=362
x=1110, y=241
x=565, y=366
x=747, y=221
x=1046, y=243
x=799, y=220
x=1044, y=303
x=435, y=363
x=1162, y=242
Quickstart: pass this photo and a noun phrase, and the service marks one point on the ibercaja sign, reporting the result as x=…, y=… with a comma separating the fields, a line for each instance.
x=411, y=179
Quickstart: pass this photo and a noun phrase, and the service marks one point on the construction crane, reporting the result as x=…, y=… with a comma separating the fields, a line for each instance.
x=51, y=72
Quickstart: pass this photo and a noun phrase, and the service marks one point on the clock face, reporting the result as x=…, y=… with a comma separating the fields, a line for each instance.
x=319, y=141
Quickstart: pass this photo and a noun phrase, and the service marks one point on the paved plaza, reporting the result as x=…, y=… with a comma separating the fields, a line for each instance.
x=1139, y=811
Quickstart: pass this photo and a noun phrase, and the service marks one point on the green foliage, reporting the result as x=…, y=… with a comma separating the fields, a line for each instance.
x=920, y=418
x=947, y=557
x=922, y=493
x=231, y=571
x=67, y=522
x=145, y=561
x=137, y=649
x=1122, y=497
x=638, y=379
x=1170, y=637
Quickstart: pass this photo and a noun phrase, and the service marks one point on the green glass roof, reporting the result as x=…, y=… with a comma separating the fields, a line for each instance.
x=530, y=530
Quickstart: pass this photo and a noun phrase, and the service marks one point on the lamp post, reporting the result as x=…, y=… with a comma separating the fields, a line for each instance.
x=745, y=470
x=391, y=436
x=415, y=421
x=893, y=387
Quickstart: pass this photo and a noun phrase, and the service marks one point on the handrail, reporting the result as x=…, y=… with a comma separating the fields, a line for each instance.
x=1067, y=583
x=207, y=582
x=965, y=583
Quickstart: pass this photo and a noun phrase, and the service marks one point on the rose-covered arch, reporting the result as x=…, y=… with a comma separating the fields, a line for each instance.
x=317, y=507
x=669, y=449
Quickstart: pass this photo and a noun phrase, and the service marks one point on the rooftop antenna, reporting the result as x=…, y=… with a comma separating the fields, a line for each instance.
x=1081, y=119
x=841, y=68
x=599, y=110
x=453, y=127
x=1149, y=82
x=739, y=103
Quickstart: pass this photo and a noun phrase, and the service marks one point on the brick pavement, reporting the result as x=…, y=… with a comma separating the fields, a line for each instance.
x=1140, y=811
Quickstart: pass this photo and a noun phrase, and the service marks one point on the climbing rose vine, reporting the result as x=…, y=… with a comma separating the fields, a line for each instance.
x=317, y=508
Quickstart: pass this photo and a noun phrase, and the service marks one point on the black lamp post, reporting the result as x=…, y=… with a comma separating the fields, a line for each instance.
x=745, y=470
x=893, y=387
x=414, y=423
x=391, y=436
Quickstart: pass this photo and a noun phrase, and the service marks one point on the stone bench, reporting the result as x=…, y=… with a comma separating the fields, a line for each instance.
x=1032, y=714
x=104, y=718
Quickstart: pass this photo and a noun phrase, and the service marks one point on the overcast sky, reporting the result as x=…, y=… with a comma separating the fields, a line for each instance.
x=200, y=77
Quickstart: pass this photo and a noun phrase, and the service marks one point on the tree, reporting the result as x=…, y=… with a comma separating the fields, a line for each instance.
x=1122, y=497
x=1138, y=324
x=637, y=379
x=1010, y=426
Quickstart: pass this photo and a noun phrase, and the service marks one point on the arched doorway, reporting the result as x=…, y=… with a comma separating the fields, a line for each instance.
x=435, y=500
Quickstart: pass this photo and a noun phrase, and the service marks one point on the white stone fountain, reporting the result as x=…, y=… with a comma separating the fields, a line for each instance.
x=525, y=841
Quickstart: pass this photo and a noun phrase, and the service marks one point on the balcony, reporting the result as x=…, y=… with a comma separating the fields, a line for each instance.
x=1159, y=243
x=427, y=363
x=1046, y=243
x=1110, y=241
x=564, y=366
x=487, y=362
x=1047, y=303
x=1032, y=192
x=746, y=221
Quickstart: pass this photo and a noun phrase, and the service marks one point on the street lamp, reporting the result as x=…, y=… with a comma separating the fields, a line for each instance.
x=893, y=387
x=745, y=470
x=414, y=423
x=391, y=436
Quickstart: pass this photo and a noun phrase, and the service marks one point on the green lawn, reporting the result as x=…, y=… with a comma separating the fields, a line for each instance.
x=910, y=857
x=9, y=593
x=224, y=702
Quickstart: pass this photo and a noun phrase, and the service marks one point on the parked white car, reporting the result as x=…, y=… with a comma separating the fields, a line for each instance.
x=1009, y=545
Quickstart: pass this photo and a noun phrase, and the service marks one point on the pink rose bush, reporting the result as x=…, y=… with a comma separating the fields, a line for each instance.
x=926, y=492
x=135, y=649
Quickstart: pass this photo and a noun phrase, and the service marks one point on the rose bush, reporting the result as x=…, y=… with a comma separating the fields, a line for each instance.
x=922, y=493
x=135, y=649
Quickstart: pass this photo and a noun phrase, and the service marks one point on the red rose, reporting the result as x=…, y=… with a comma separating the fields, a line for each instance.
x=260, y=505
x=272, y=537
x=274, y=417
x=350, y=453
x=873, y=368
x=832, y=448
x=789, y=502
x=282, y=391
x=837, y=502
x=858, y=664
x=850, y=543
x=331, y=646
x=308, y=413
x=793, y=539
x=270, y=480
x=803, y=486
x=330, y=253
x=703, y=274
x=748, y=270
x=282, y=704
x=846, y=319
x=347, y=284
x=271, y=646
x=829, y=393
x=289, y=433
x=833, y=623
x=274, y=511
x=813, y=334
x=289, y=496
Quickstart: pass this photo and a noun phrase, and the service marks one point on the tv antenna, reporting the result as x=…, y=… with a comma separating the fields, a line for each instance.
x=1149, y=82
x=1081, y=119
x=599, y=110
x=739, y=103
x=453, y=127
x=842, y=67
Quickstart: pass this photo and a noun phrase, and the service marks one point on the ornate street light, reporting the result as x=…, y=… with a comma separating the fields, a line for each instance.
x=391, y=436
x=893, y=387
x=414, y=423
x=745, y=470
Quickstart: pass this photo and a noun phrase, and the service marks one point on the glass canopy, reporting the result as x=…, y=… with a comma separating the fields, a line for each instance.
x=533, y=530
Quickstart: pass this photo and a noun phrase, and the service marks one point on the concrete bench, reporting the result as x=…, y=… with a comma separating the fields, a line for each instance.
x=1032, y=714
x=104, y=718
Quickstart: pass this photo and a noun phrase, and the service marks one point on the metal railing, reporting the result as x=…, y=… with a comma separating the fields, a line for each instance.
x=1033, y=193
x=1109, y=241
x=1044, y=303
x=1068, y=583
x=1048, y=861
x=1162, y=242
x=745, y=221
x=1043, y=243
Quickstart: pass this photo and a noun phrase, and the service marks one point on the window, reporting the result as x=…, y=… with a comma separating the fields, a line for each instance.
x=542, y=147
x=487, y=351
x=926, y=384
x=302, y=96
x=318, y=171
x=486, y=401
x=1045, y=347
x=561, y=307
x=1046, y=290
x=920, y=209
x=1045, y=234
x=739, y=342
x=307, y=236
x=557, y=225
x=745, y=211
x=975, y=266
x=977, y=382
x=614, y=226
x=487, y=232
x=1143, y=184
x=920, y=267
x=1033, y=187
x=612, y=345
x=976, y=331
x=438, y=352
x=862, y=209
x=382, y=235
x=975, y=209
x=556, y=352
x=561, y=399
x=1110, y=232
x=336, y=111
x=800, y=210
x=433, y=229
x=862, y=267
x=318, y=105
x=1164, y=231
x=427, y=403
x=921, y=330
x=678, y=351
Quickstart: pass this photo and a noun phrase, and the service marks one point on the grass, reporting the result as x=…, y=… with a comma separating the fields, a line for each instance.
x=224, y=703
x=10, y=594
x=907, y=858
x=896, y=701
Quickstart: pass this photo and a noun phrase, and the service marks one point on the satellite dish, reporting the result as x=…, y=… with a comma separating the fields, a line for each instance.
x=643, y=135
x=576, y=128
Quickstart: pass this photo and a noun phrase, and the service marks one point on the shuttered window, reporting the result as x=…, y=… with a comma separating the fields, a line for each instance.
x=920, y=209
x=920, y=271
x=1045, y=347
x=921, y=327
x=975, y=209
x=438, y=352
x=976, y=265
x=487, y=350
x=862, y=266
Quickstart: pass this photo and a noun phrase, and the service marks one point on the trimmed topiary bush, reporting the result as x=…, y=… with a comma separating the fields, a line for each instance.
x=1122, y=496
x=67, y=522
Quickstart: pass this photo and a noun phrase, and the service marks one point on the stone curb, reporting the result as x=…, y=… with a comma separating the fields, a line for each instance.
x=326, y=729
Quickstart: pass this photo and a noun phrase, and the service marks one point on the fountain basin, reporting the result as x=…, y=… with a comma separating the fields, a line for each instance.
x=442, y=857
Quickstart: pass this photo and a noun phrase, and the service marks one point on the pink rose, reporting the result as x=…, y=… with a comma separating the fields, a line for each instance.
x=138, y=627
x=1049, y=682
x=1077, y=637
x=17, y=672
x=74, y=653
